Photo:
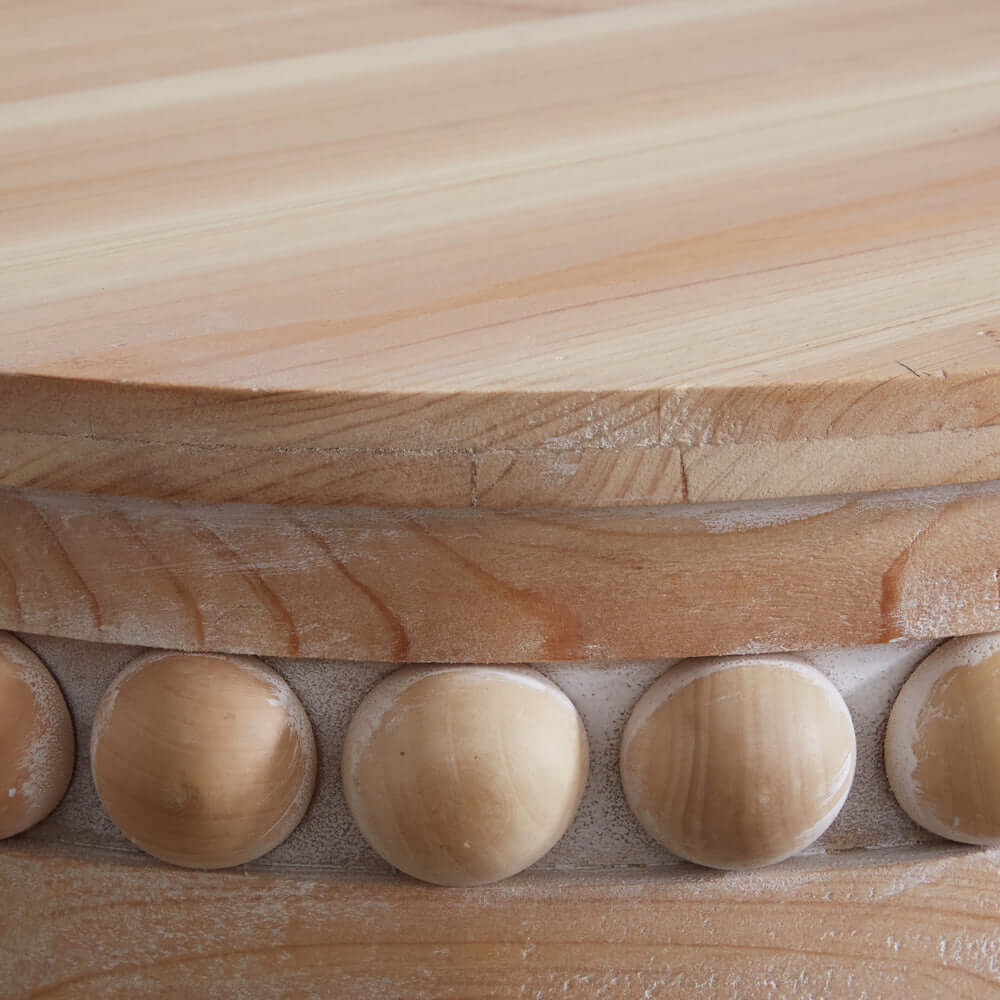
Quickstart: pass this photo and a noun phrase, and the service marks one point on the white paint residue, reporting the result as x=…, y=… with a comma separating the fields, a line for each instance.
x=725, y=518
x=560, y=466
x=604, y=832
x=869, y=678
x=900, y=759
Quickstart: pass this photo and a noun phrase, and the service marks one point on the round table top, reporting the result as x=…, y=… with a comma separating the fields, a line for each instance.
x=408, y=254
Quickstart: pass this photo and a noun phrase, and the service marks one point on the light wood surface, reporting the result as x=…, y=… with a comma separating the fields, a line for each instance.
x=344, y=243
x=479, y=586
x=907, y=926
x=463, y=776
x=902, y=923
x=738, y=762
x=202, y=761
x=37, y=742
x=604, y=833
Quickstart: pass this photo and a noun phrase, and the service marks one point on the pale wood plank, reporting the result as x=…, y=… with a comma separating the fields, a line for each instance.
x=51, y=47
x=220, y=473
x=895, y=925
x=502, y=480
x=842, y=407
x=424, y=422
x=594, y=477
x=517, y=226
x=797, y=468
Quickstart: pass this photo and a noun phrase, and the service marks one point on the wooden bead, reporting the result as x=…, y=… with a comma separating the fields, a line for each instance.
x=738, y=762
x=942, y=743
x=464, y=775
x=201, y=760
x=37, y=746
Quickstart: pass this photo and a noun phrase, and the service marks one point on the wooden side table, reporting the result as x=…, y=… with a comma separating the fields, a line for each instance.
x=588, y=336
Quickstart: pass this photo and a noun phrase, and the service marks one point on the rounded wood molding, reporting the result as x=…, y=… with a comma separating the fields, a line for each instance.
x=37, y=742
x=738, y=762
x=425, y=586
x=203, y=761
x=464, y=775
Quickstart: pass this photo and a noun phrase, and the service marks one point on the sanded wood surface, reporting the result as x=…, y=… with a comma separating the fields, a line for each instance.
x=514, y=255
x=917, y=925
x=501, y=587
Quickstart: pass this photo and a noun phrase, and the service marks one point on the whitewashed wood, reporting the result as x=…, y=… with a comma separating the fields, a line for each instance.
x=905, y=922
x=603, y=834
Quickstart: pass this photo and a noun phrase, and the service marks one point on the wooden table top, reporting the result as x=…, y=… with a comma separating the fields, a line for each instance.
x=578, y=253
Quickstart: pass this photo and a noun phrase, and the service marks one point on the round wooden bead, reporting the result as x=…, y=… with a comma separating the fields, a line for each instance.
x=738, y=762
x=942, y=744
x=37, y=747
x=464, y=775
x=201, y=760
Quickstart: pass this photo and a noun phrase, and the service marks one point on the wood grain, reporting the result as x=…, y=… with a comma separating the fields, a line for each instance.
x=486, y=586
x=895, y=925
x=562, y=478
x=604, y=833
x=202, y=761
x=463, y=776
x=738, y=762
x=422, y=227
x=221, y=473
x=800, y=468
x=588, y=477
